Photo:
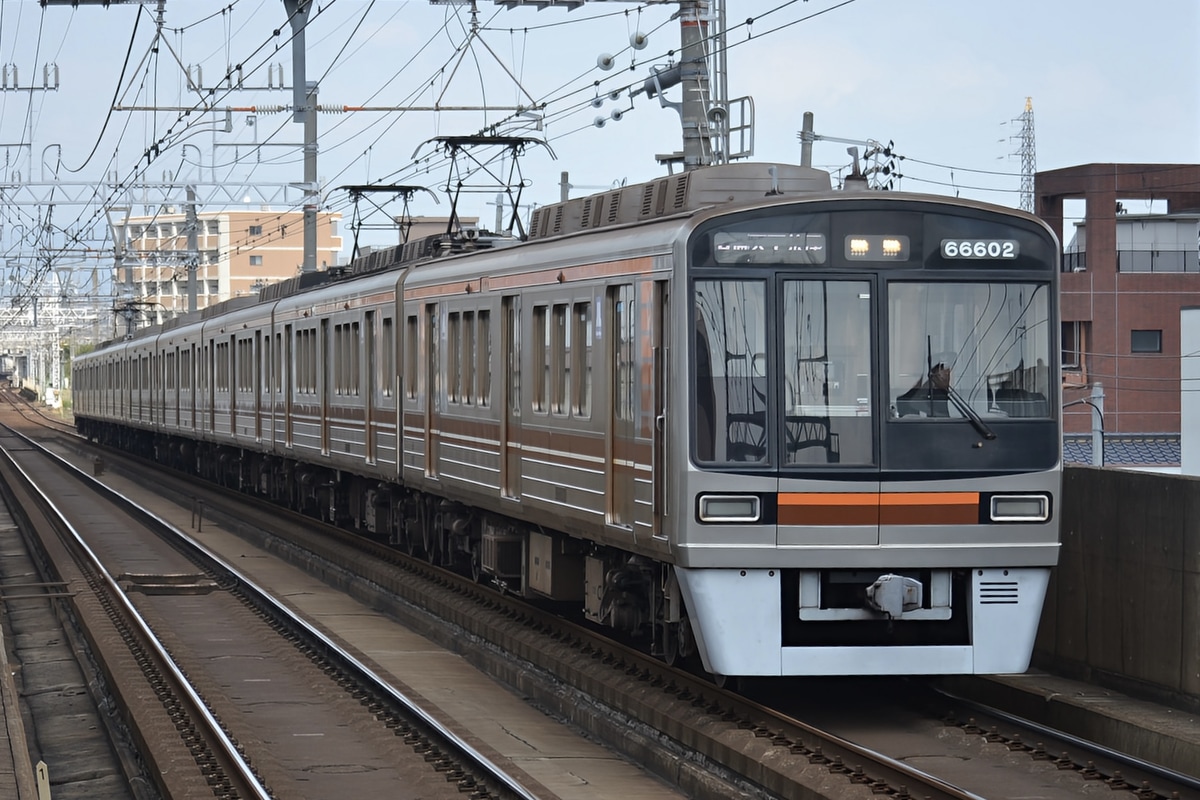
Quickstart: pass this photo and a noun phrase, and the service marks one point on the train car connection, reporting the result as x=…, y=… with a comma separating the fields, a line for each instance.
x=790, y=430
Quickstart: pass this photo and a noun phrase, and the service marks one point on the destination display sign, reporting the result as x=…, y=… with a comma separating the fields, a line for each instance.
x=739, y=247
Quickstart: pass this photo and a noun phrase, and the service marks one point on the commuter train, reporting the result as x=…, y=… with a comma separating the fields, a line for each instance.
x=789, y=429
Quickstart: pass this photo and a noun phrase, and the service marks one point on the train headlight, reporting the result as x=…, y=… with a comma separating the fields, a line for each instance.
x=729, y=508
x=1020, y=508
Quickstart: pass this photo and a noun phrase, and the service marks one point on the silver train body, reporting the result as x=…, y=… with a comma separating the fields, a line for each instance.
x=790, y=430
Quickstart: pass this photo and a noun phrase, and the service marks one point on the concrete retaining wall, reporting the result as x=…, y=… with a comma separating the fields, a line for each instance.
x=1124, y=603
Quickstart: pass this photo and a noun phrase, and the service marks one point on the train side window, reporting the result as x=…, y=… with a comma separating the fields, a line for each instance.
x=348, y=350
x=388, y=361
x=512, y=354
x=560, y=360
x=278, y=362
x=410, y=357
x=338, y=365
x=354, y=362
x=466, y=361
x=541, y=358
x=483, y=359
x=581, y=360
x=221, y=378
x=453, y=362
x=310, y=361
x=265, y=364
x=306, y=362
x=297, y=366
x=297, y=380
x=624, y=330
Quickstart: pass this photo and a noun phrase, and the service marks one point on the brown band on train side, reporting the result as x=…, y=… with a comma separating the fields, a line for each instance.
x=632, y=267
x=869, y=508
x=820, y=508
x=929, y=508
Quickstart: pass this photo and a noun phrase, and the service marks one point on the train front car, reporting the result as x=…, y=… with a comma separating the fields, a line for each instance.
x=874, y=437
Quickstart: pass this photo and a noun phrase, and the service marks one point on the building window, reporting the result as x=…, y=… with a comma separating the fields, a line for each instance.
x=1074, y=342
x=214, y=287
x=1158, y=261
x=256, y=230
x=256, y=261
x=1145, y=341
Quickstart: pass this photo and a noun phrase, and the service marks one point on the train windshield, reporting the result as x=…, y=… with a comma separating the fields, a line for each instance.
x=873, y=335
x=968, y=350
x=819, y=366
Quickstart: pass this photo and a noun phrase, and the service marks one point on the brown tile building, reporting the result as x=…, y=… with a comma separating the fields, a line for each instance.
x=1126, y=278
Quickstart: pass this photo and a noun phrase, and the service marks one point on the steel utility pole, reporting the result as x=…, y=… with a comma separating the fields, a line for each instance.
x=304, y=110
x=697, y=139
x=193, y=243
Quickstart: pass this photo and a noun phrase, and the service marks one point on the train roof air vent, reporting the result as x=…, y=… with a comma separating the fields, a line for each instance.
x=681, y=193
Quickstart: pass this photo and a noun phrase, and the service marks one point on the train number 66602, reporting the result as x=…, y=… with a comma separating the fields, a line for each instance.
x=979, y=248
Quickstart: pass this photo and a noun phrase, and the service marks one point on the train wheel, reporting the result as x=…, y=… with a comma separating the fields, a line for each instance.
x=476, y=564
x=430, y=537
x=670, y=640
x=412, y=542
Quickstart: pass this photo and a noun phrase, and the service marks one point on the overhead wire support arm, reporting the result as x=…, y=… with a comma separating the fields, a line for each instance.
x=456, y=183
x=405, y=222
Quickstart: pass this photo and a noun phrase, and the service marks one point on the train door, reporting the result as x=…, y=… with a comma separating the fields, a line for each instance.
x=368, y=389
x=623, y=401
x=289, y=386
x=660, y=349
x=510, y=411
x=433, y=387
x=326, y=385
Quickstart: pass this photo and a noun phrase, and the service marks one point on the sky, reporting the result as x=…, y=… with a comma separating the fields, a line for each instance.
x=944, y=81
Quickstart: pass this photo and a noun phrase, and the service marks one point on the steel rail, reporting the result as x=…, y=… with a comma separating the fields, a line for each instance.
x=331, y=648
x=238, y=769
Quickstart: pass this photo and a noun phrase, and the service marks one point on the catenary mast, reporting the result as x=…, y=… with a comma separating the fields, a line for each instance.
x=1028, y=156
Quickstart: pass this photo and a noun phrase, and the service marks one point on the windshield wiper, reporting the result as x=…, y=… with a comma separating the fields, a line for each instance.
x=965, y=409
x=939, y=377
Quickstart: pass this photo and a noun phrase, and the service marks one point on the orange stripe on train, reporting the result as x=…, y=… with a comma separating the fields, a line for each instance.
x=869, y=508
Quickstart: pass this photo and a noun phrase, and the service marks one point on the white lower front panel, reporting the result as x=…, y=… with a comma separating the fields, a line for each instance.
x=736, y=617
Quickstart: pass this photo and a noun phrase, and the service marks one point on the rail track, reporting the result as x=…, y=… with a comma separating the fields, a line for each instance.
x=172, y=625
x=709, y=742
